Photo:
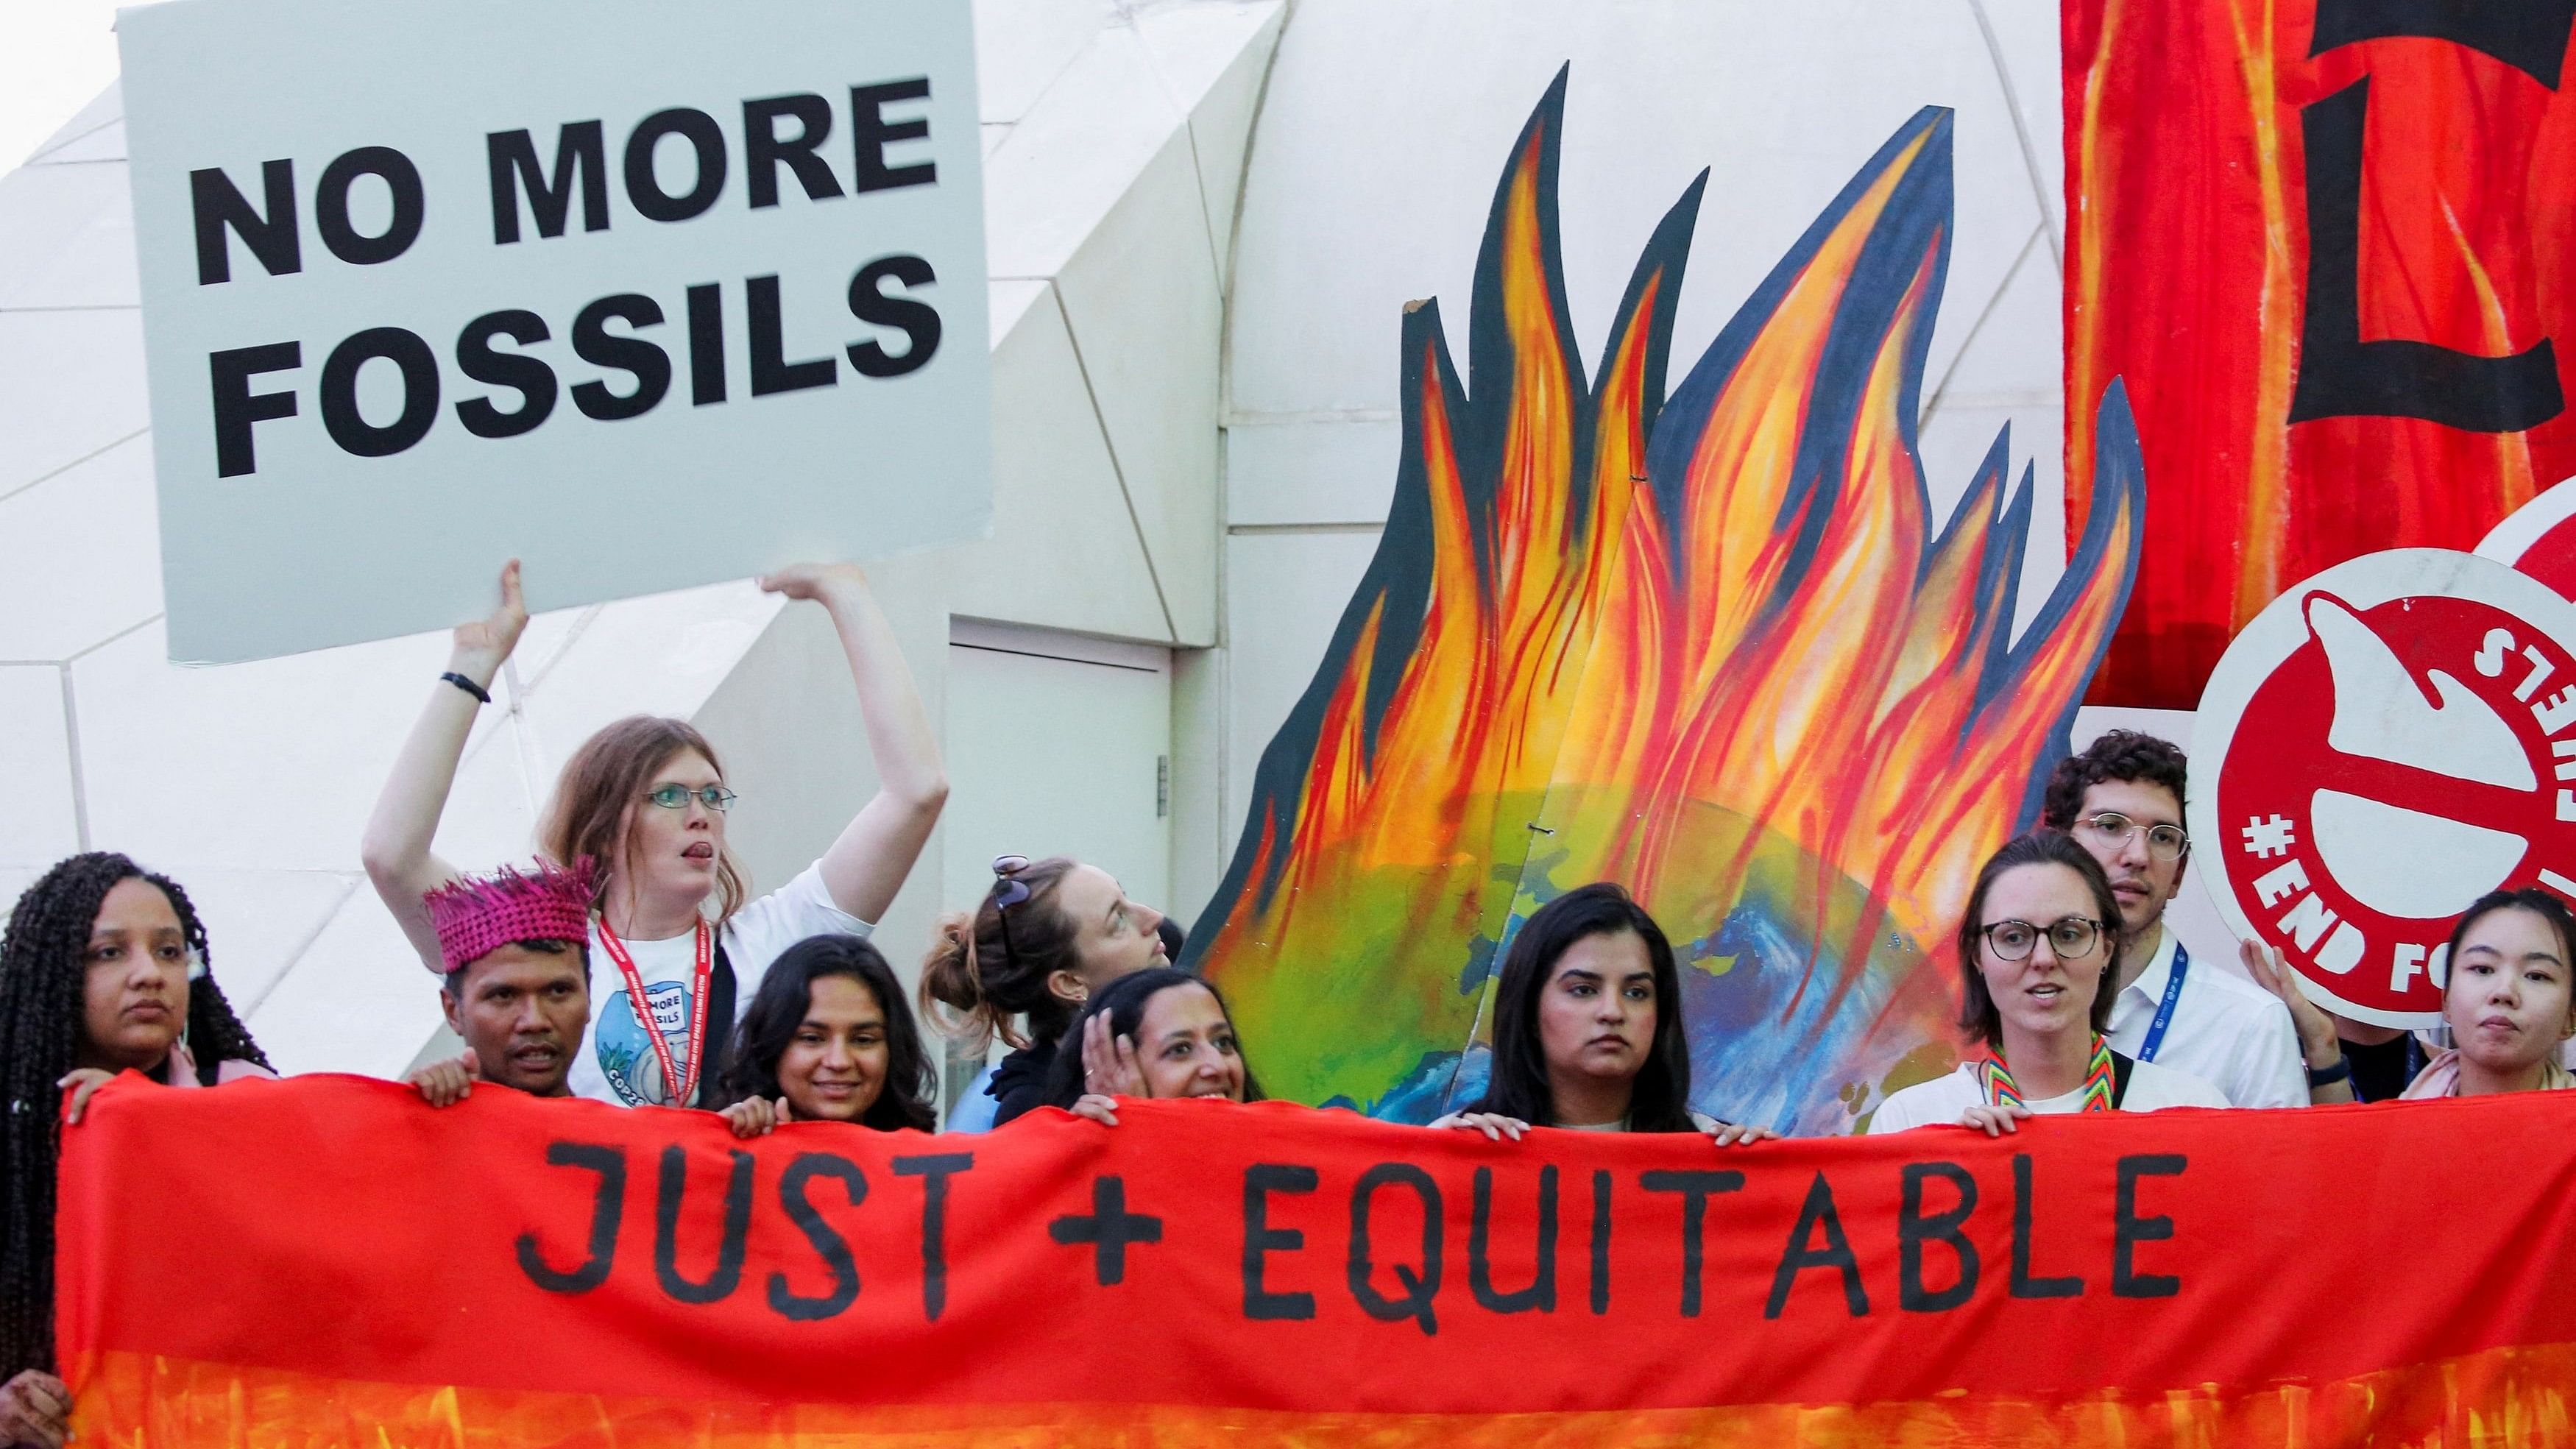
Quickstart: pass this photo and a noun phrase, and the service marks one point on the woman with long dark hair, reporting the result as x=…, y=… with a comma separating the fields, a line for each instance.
x=1152, y=1033
x=676, y=938
x=103, y=970
x=828, y=1038
x=2039, y=956
x=2508, y=999
x=1588, y=1028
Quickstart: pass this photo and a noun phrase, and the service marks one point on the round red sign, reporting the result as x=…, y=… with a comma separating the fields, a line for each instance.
x=2384, y=744
x=2539, y=538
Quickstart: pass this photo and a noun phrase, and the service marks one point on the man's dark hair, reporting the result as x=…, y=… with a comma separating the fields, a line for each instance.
x=41, y=982
x=2123, y=755
x=1659, y=1100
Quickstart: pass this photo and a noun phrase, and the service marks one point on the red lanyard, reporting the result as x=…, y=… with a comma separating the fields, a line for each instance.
x=644, y=1009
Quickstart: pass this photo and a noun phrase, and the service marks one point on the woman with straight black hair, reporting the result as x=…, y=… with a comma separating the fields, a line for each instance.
x=1159, y=1032
x=828, y=1038
x=1588, y=1028
x=2509, y=1000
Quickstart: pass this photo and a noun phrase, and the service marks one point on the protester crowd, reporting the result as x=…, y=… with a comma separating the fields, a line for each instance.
x=632, y=964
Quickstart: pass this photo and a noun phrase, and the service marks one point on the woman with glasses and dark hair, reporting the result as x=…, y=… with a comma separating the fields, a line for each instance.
x=1048, y=936
x=1588, y=1028
x=102, y=970
x=828, y=1038
x=1152, y=1033
x=2508, y=1000
x=2039, y=949
x=674, y=926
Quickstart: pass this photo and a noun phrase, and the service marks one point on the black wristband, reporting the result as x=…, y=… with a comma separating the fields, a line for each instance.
x=2328, y=1076
x=469, y=686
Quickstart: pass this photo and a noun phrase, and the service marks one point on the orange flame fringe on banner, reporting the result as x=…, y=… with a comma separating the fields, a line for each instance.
x=1707, y=647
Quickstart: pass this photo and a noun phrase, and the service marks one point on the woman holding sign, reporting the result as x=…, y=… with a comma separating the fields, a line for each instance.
x=645, y=797
x=828, y=1038
x=1588, y=1028
x=2508, y=1000
x=2038, y=951
x=1151, y=1033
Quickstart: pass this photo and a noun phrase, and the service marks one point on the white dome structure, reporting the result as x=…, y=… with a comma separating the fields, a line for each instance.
x=1204, y=218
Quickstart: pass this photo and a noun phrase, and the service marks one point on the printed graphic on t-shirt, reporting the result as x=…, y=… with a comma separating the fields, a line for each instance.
x=626, y=1054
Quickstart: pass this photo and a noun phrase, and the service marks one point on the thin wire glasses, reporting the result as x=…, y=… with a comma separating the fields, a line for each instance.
x=677, y=797
x=2072, y=938
x=2115, y=831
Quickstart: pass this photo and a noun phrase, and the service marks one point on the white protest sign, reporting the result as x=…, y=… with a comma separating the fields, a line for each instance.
x=650, y=293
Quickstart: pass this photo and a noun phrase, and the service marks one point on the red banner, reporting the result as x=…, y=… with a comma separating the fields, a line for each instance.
x=2326, y=242
x=329, y=1261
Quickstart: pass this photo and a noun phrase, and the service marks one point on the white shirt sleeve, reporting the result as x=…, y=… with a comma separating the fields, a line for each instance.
x=1938, y=1102
x=763, y=930
x=2276, y=1075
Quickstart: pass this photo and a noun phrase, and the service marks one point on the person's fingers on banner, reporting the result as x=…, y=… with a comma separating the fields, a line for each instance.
x=35, y=1408
x=755, y=1116
x=489, y=640
x=446, y=1082
x=81, y=1083
x=1741, y=1134
x=1109, y=1065
x=1994, y=1121
x=1096, y=1108
x=1494, y=1125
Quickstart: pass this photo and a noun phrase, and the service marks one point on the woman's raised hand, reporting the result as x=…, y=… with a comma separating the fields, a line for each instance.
x=1993, y=1121
x=1109, y=1065
x=1494, y=1125
x=482, y=644
x=813, y=580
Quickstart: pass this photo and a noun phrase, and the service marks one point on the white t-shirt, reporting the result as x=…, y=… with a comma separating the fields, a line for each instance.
x=1943, y=1100
x=617, y=1063
x=2226, y=1030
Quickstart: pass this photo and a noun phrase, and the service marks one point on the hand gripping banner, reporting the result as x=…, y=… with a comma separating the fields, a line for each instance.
x=328, y=1261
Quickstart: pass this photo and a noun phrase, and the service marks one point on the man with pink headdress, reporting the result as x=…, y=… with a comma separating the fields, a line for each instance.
x=517, y=989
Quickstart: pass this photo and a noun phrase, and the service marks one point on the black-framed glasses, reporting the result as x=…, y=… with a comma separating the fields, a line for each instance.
x=2115, y=831
x=677, y=797
x=1008, y=891
x=2072, y=938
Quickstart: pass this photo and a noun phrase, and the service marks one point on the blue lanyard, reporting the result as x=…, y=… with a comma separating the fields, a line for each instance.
x=2165, y=1008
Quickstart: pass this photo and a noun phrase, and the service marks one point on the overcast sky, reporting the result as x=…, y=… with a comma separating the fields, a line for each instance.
x=54, y=56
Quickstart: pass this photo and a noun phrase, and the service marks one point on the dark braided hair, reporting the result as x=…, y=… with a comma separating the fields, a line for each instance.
x=41, y=1003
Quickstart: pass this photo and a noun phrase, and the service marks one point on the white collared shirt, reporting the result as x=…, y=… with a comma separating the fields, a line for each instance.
x=1943, y=1100
x=2225, y=1030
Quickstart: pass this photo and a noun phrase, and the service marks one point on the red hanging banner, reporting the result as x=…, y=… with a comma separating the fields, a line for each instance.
x=2327, y=243
x=329, y=1261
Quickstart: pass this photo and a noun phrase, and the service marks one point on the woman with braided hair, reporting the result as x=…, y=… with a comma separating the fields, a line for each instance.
x=102, y=971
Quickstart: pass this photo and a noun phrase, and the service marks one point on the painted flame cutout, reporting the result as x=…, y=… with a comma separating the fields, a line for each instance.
x=1707, y=646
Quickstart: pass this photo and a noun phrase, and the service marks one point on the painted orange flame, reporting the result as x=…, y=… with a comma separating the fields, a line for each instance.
x=1708, y=647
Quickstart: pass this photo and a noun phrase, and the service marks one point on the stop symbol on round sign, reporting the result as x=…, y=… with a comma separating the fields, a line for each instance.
x=2539, y=538
x=2385, y=743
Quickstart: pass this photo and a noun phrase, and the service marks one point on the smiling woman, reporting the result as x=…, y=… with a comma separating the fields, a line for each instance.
x=828, y=1038
x=675, y=938
x=1157, y=1032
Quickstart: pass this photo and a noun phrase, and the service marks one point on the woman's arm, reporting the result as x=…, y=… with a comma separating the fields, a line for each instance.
x=866, y=866
x=396, y=847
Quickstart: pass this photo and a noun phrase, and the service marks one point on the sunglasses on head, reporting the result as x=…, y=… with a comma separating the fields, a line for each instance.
x=1008, y=891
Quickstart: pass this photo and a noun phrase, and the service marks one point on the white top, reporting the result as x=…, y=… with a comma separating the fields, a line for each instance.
x=1943, y=1100
x=2226, y=1030
x=617, y=1063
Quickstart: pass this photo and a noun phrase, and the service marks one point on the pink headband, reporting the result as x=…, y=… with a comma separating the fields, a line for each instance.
x=476, y=915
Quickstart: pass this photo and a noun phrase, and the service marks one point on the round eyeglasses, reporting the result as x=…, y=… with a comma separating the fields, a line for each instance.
x=2114, y=831
x=677, y=797
x=2070, y=938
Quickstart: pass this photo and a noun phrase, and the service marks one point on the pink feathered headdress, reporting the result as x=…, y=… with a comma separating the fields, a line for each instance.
x=476, y=915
